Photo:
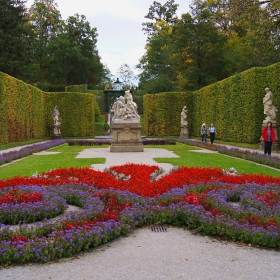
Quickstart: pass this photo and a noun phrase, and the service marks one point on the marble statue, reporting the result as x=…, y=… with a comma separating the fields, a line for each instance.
x=56, y=116
x=56, y=122
x=184, y=116
x=269, y=109
x=119, y=107
x=128, y=96
x=124, y=108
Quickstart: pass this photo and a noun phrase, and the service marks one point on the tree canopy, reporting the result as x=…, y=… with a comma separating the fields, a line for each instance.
x=41, y=48
x=215, y=40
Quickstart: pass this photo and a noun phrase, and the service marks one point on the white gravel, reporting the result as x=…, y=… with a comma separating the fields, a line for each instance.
x=146, y=157
x=175, y=254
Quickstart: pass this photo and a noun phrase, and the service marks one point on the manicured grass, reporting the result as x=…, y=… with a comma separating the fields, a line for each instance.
x=66, y=158
x=43, y=163
x=193, y=159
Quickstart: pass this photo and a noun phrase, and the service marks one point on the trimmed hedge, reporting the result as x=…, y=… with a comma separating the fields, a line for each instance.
x=234, y=105
x=76, y=111
x=21, y=110
x=26, y=112
x=162, y=112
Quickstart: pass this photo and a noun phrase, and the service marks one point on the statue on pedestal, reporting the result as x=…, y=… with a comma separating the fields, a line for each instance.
x=270, y=112
x=184, y=124
x=269, y=109
x=184, y=116
x=126, y=125
x=124, y=108
x=56, y=123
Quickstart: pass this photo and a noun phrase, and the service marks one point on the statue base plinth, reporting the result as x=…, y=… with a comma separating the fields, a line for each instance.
x=184, y=132
x=126, y=137
x=275, y=145
x=57, y=137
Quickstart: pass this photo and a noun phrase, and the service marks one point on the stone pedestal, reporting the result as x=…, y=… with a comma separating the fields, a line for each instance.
x=56, y=132
x=126, y=136
x=184, y=132
x=275, y=145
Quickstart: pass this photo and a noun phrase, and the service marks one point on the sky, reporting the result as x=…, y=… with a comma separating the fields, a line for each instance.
x=119, y=26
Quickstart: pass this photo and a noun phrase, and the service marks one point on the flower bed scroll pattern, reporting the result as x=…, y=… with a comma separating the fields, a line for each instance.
x=243, y=208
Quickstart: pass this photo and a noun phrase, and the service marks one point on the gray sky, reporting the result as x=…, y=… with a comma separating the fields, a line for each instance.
x=119, y=26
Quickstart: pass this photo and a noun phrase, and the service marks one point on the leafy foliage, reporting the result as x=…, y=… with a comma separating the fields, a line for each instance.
x=15, y=46
x=215, y=40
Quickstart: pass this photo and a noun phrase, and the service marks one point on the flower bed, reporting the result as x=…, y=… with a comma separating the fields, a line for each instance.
x=272, y=161
x=29, y=150
x=242, y=208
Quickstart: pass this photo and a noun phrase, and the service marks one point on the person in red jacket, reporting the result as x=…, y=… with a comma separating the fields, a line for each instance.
x=268, y=135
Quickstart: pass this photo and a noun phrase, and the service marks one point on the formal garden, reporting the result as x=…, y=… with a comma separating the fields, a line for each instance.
x=54, y=205
x=216, y=61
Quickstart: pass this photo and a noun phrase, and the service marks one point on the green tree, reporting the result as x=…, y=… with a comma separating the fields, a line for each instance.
x=158, y=12
x=250, y=25
x=15, y=45
x=198, y=52
x=156, y=65
x=73, y=56
x=46, y=22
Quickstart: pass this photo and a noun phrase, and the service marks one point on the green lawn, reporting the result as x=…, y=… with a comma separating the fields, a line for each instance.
x=66, y=158
x=40, y=163
x=192, y=159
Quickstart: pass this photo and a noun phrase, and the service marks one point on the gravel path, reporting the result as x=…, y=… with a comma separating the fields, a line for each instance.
x=175, y=254
x=146, y=157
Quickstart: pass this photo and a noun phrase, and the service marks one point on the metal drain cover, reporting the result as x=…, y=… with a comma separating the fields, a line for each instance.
x=158, y=228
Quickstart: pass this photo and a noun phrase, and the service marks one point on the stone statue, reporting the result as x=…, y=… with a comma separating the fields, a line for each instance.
x=118, y=107
x=55, y=115
x=269, y=109
x=184, y=124
x=124, y=108
x=270, y=112
x=56, y=123
x=128, y=96
x=184, y=116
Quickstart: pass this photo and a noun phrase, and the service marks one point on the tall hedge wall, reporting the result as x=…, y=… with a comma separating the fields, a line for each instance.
x=21, y=110
x=162, y=112
x=26, y=112
x=76, y=111
x=76, y=88
x=234, y=105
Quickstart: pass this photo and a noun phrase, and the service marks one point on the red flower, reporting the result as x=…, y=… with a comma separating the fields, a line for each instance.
x=269, y=198
x=15, y=197
x=192, y=199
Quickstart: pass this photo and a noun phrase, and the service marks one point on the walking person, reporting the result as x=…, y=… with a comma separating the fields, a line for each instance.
x=268, y=135
x=212, y=130
x=203, y=132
